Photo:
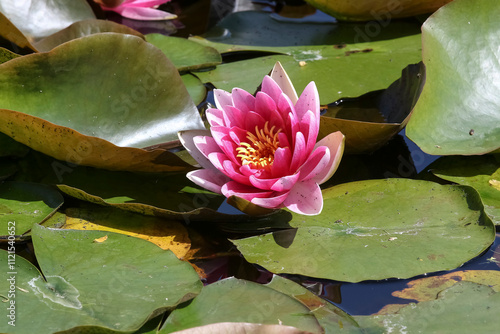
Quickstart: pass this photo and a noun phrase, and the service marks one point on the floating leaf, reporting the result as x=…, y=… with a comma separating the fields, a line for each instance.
x=10, y=33
x=262, y=305
x=366, y=232
x=371, y=120
x=482, y=173
x=186, y=55
x=466, y=307
x=329, y=316
x=116, y=284
x=6, y=55
x=41, y=18
x=82, y=29
x=241, y=328
x=377, y=11
x=24, y=204
x=427, y=288
x=350, y=66
x=141, y=101
x=457, y=112
x=166, y=235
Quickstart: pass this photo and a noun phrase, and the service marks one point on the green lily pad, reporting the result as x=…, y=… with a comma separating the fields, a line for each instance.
x=381, y=11
x=140, y=101
x=41, y=18
x=222, y=302
x=186, y=55
x=457, y=112
x=366, y=232
x=24, y=204
x=329, y=316
x=466, y=307
x=6, y=55
x=93, y=278
x=480, y=172
x=195, y=88
x=347, y=71
x=82, y=29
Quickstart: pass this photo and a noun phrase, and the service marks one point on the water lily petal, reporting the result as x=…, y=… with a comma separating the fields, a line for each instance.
x=285, y=106
x=232, y=170
x=253, y=120
x=286, y=183
x=271, y=88
x=305, y=198
x=215, y=117
x=299, y=152
x=233, y=188
x=187, y=140
x=264, y=105
x=335, y=142
x=243, y=100
x=238, y=135
x=234, y=117
x=143, y=3
x=263, y=184
x=248, y=171
x=309, y=126
x=272, y=202
x=222, y=98
x=282, y=162
x=219, y=133
x=293, y=127
x=309, y=100
x=210, y=179
x=315, y=165
x=143, y=14
x=279, y=75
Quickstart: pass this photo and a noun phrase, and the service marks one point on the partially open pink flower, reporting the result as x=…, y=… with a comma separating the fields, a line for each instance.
x=264, y=149
x=138, y=9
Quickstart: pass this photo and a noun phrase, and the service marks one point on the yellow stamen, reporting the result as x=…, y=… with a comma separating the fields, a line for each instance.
x=259, y=151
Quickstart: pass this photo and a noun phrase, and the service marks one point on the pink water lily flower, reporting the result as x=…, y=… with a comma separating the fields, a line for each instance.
x=137, y=9
x=263, y=148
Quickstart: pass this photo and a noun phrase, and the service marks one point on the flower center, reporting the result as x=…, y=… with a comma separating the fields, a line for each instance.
x=260, y=148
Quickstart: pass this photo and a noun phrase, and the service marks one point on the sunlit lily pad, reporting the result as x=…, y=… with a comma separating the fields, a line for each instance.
x=82, y=29
x=481, y=172
x=185, y=54
x=428, y=288
x=262, y=305
x=466, y=307
x=11, y=33
x=366, y=232
x=6, y=55
x=141, y=101
x=41, y=18
x=346, y=71
x=165, y=234
x=24, y=204
x=377, y=11
x=457, y=112
x=116, y=283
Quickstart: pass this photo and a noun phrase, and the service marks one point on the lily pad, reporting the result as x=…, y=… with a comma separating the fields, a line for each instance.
x=24, y=204
x=165, y=234
x=41, y=18
x=371, y=120
x=349, y=70
x=481, y=172
x=366, y=232
x=186, y=55
x=466, y=307
x=222, y=302
x=6, y=55
x=82, y=29
x=428, y=288
x=9, y=32
x=141, y=101
x=381, y=11
x=457, y=112
x=116, y=283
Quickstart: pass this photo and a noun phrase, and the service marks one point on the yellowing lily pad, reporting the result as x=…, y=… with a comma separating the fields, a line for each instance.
x=427, y=288
x=165, y=234
x=377, y=11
